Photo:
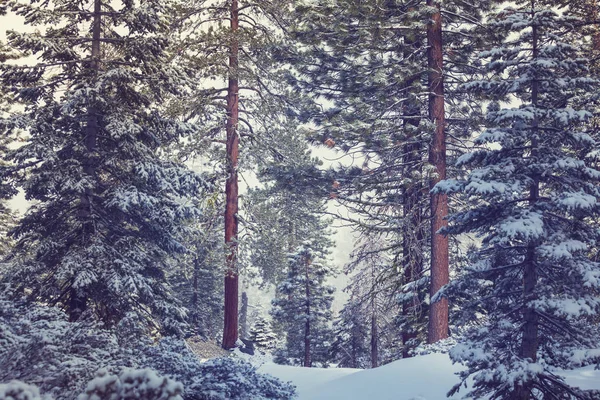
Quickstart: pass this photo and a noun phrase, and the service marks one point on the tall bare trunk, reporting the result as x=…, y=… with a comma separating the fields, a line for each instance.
x=412, y=241
x=307, y=338
x=529, y=344
x=374, y=334
x=230, y=326
x=412, y=232
x=78, y=301
x=244, y=316
x=199, y=261
x=438, y=311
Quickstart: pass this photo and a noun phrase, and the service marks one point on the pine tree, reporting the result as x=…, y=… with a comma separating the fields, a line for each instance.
x=534, y=197
x=373, y=297
x=387, y=101
x=7, y=189
x=233, y=47
x=282, y=213
x=262, y=335
x=109, y=210
x=350, y=348
x=302, y=306
x=7, y=222
x=197, y=277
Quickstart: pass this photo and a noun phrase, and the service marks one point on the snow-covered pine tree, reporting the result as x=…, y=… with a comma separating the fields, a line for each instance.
x=371, y=63
x=262, y=335
x=108, y=209
x=534, y=200
x=282, y=218
x=350, y=347
x=234, y=48
x=197, y=277
x=7, y=216
x=374, y=303
x=7, y=189
x=7, y=222
x=278, y=215
x=302, y=307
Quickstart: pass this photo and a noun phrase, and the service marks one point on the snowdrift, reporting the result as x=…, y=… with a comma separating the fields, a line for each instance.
x=427, y=377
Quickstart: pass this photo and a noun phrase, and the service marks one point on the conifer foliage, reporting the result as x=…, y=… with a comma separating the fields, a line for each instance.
x=108, y=209
x=350, y=348
x=262, y=335
x=534, y=200
x=303, y=306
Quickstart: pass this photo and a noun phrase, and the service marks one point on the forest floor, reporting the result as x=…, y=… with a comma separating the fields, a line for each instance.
x=427, y=377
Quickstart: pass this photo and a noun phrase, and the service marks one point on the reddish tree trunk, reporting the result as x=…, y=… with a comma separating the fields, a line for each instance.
x=230, y=326
x=438, y=311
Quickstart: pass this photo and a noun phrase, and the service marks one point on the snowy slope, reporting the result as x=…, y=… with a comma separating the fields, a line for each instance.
x=426, y=377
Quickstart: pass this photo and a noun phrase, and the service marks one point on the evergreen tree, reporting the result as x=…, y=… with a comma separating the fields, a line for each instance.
x=387, y=101
x=108, y=210
x=302, y=307
x=233, y=47
x=7, y=222
x=375, y=301
x=262, y=335
x=350, y=348
x=534, y=200
x=197, y=278
x=7, y=189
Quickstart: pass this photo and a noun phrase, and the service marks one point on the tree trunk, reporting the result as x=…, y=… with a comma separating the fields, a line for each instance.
x=412, y=239
x=230, y=326
x=529, y=344
x=412, y=235
x=78, y=301
x=307, y=339
x=438, y=311
x=199, y=261
x=374, y=335
x=244, y=316
x=195, y=293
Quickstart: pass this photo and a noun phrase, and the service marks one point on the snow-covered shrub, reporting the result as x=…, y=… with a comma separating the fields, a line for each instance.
x=17, y=390
x=132, y=384
x=230, y=378
x=39, y=345
x=222, y=378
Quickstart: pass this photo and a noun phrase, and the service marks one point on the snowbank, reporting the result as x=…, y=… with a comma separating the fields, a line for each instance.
x=427, y=377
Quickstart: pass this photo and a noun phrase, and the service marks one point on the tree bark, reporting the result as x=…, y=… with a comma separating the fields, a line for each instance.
x=78, y=301
x=529, y=344
x=230, y=326
x=438, y=311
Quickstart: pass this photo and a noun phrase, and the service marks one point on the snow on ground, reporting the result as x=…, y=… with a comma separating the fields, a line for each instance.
x=307, y=380
x=427, y=377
